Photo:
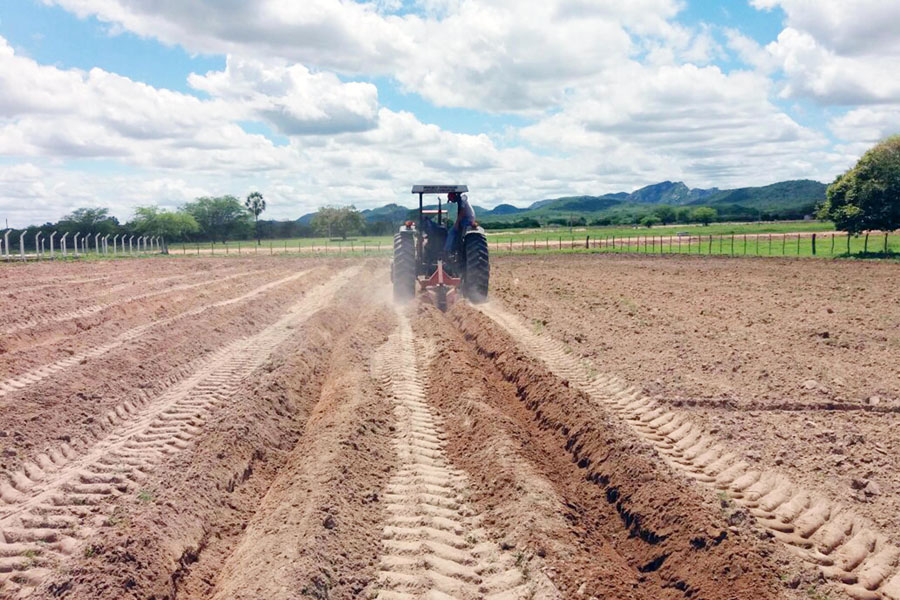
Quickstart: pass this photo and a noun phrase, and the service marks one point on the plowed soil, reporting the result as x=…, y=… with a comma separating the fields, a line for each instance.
x=606, y=427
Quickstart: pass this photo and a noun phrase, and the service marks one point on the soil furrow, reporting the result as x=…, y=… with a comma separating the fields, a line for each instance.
x=71, y=485
x=34, y=376
x=846, y=547
x=97, y=308
x=433, y=545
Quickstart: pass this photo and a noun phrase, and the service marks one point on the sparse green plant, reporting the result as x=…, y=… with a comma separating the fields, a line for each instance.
x=90, y=551
x=537, y=326
x=144, y=496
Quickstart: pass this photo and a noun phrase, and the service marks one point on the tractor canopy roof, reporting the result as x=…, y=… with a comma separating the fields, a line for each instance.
x=439, y=189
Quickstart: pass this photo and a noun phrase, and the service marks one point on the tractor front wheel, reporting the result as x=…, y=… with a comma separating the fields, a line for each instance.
x=477, y=273
x=403, y=269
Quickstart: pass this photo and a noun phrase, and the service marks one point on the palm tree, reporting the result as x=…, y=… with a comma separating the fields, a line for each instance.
x=255, y=204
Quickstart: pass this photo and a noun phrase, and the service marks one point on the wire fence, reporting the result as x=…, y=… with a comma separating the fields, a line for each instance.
x=820, y=244
x=823, y=244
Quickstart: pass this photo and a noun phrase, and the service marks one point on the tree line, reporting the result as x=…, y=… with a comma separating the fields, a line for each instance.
x=205, y=219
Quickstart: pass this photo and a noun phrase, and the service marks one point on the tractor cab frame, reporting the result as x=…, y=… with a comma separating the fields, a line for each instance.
x=420, y=260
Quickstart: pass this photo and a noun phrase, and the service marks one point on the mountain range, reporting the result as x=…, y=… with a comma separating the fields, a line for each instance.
x=785, y=199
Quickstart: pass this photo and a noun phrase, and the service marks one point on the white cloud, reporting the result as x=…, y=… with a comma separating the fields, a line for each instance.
x=847, y=27
x=834, y=51
x=868, y=125
x=699, y=124
x=812, y=70
x=502, y=56
x=292, y=98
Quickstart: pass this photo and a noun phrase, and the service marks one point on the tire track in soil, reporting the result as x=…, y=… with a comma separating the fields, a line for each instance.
x=845, y=547
x=47, y=511
x=37, y=375
x=431, y=538
x=92, y=310
x=55, y=283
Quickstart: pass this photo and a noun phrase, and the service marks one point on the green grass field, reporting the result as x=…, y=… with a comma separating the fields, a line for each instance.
x=763, y=245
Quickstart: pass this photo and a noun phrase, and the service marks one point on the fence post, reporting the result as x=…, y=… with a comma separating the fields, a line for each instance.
x=732, y=244
x=270, y=248
x=866, y=244
x=798, y=244
x=783, y=244
x=832, y=244
x=587, y=241
x=710, y=244
x=745, y=244
x=757, y=244
x=814, y=244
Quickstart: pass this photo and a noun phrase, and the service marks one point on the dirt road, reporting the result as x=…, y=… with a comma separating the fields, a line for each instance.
x=277, y=428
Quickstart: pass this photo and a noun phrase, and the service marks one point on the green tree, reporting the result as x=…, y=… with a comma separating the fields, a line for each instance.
x=219, y=218
x=338, y=220
x=666, y=214
x=152, y=220
x=650, y=220
x=89, y=221
x=255, y=204
x=704, y=214
x=683, y=214
x=867, y=196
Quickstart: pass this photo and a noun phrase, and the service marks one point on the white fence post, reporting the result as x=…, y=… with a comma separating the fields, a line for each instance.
x=115, y=244
x=130, y=247
x=97, y=243
x=52, y=235
x=106, y=244
x=62, y=244
x=37, y=245
x=22, y=245
x=6, y=243
x=75, y=243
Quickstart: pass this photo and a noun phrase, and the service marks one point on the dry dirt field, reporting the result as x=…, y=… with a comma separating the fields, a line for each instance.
x=607, y=427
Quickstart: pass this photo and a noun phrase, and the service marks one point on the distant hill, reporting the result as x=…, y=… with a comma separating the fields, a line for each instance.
x=505, y=209
x=783, y=199
x=777, y=195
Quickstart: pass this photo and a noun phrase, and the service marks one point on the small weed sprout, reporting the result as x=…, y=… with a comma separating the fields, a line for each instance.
x=144, y=496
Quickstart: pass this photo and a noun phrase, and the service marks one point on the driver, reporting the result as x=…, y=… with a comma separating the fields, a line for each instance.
x=465, y=218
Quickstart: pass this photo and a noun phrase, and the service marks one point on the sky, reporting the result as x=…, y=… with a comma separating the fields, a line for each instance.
x=125, y=103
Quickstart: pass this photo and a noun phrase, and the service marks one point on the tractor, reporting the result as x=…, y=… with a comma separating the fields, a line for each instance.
x=420, y=260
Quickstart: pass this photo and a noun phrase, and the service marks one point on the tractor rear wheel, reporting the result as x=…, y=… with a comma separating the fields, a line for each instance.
x=403, y=270
x=477, y=273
